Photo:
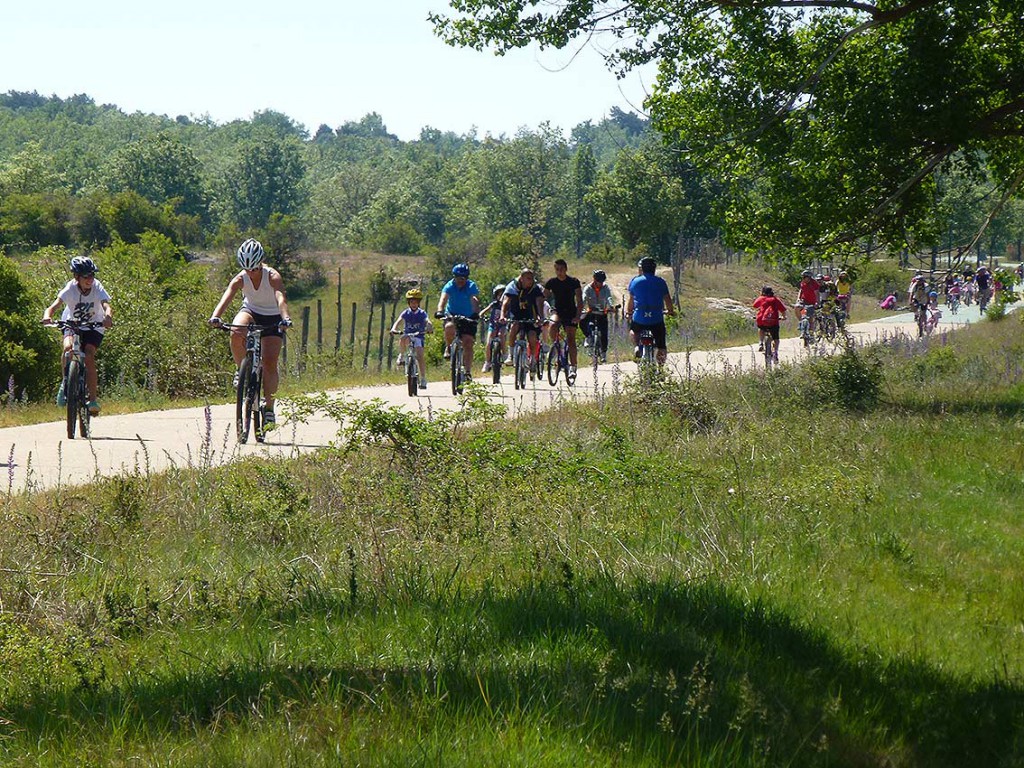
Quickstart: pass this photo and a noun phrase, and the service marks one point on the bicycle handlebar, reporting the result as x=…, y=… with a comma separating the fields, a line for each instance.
x=74, y=325
x=229, y=326
x=449, y=316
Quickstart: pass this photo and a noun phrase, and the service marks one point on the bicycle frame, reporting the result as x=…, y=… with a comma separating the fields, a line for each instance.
x=75, y=385
x=248, y=400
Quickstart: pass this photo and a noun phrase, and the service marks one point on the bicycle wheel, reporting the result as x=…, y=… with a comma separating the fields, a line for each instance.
x=554, y=364
x=84, y=417
x=71, y=397
x=519, y=366
x=768, y=350
x=242, y=413
x=457, y=367
x=595, y=347
x=412, y=376
x=254, y=396
x=497, y=354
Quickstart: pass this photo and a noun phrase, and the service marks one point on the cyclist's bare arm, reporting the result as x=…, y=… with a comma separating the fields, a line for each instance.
x=506, y=302
x=48, y=312
x=229, y=293
x=629, y=306
x=108, y=314
x=670, y=310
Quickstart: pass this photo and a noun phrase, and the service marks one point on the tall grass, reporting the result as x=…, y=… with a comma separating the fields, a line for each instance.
x=735, y=571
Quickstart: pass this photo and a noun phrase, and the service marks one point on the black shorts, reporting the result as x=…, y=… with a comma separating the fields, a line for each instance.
x=466, y=327
x=90, y=338
x=570, y=323
x=771, y=330
x=265, y=321
x=658, y=329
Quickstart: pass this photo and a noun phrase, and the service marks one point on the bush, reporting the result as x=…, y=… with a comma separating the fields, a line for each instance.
x=29, y=354
x=880, y=278
x=850, y=380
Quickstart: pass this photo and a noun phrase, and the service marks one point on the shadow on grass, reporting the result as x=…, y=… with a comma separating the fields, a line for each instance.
x=680, y=672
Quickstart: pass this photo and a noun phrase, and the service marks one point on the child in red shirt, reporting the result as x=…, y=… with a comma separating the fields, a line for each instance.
x=770, y=311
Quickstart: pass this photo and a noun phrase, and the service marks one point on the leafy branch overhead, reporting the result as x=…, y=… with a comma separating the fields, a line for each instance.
x=827, y=120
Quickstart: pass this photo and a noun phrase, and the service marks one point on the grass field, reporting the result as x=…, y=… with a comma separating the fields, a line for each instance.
x=739, y=571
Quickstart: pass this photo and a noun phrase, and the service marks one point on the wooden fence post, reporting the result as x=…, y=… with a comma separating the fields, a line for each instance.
x=319, y=325
x=380, y=341
x=369, y=337
x=337, y=336
x=305, y=337
x=391, y=339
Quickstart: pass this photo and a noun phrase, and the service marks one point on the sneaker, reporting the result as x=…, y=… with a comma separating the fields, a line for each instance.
x=636, y=352
x=62, y=398
x=269, y=419
x=447, y=354
x=401, y=360
x=604, y=358
x=572, y=370
x=94, y=407
x=775, y=358
x=468, y=376
x=234, y=379
x=423, y=384
x=487, y=367
x=508, y=359
x=760, y=347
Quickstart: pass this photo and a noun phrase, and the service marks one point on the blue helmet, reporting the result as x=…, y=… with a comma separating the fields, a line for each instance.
x=461, y=270
x=83, y=266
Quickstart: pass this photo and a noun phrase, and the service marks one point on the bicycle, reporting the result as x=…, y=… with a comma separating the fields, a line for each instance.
x=648, y=357
x=412, y=363
x=827, y=324
x=558, y=361
x=76, y=392
x=953, y=302
x=984, y=296
x=920, y=318
x=248, y=402
x=594, y=338
x=497, y=351
x=804, y=325
x=455, y=351
x=521, y=361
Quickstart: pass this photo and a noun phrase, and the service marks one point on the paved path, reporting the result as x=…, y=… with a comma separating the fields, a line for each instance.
x=40, y=456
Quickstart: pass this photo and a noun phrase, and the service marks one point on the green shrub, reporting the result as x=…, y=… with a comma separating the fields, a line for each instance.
x=851, y=380
x=29, y=354
x=879, y=279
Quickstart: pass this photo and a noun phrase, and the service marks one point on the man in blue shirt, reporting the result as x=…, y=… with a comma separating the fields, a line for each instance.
x=648, y=304
x=460, y=296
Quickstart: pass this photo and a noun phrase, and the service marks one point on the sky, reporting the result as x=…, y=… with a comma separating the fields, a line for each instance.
x=317, y=61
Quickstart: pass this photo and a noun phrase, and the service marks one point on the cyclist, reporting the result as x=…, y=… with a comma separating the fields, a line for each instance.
x=844, y=287
x=983, y=281
x=597, y=301
x=85, y=300
x=648, y=304
x=495, y=325
x=917, y=294
x=523, y=304
x=770, y=311
x=263, y=303
x=808, y=296
x=567, y=294
x=415, y=324
x=460, y=296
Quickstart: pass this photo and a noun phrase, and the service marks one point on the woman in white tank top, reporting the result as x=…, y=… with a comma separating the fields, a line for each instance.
x=263, y=303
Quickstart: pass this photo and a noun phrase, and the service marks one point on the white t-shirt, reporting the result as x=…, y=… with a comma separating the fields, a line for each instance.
x=84, y=307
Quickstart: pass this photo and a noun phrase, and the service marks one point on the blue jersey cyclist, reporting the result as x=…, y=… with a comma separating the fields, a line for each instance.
x=648, y=304
x=460, y=296
x=523, y=304
x=415, y=324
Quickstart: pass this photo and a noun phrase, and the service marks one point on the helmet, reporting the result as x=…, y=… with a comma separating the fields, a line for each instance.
x=767, y=291
x=250, y=254
x=414, y=293
x=647, y=265
x=600, y=276
x=932, y=293
x=83, y=266
x=843, y=274
x=461, y=270
x=819, y=277
x=806, y=273
x=497, y=291
x=919, y=273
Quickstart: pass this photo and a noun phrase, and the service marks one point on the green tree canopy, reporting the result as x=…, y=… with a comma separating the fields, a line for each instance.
x=826, y=119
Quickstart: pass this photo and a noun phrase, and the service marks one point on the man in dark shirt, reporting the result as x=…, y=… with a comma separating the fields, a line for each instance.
x=566, y=294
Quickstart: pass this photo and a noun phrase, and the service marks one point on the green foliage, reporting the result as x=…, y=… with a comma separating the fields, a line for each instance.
x=163, y=170
x=880, y=278
x=265, y=177
x=29, y=354
x=851, y=380
x=396, y=237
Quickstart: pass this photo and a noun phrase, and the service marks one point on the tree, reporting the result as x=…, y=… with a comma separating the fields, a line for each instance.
x=162, y=169
x=641, y=201
x=265, y=178
x=28, y=356
x=826, y=119
x=583, y=219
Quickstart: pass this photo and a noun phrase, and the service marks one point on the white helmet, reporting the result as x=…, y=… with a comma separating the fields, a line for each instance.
x=250, y=254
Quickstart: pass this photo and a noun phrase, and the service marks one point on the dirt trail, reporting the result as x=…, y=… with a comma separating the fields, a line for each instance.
x=39, y=456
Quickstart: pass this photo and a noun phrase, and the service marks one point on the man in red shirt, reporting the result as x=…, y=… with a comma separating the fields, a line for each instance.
x=808, y=297
x=770, y=311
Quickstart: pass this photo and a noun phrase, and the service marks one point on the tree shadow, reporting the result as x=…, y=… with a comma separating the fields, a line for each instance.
x=676, y=670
